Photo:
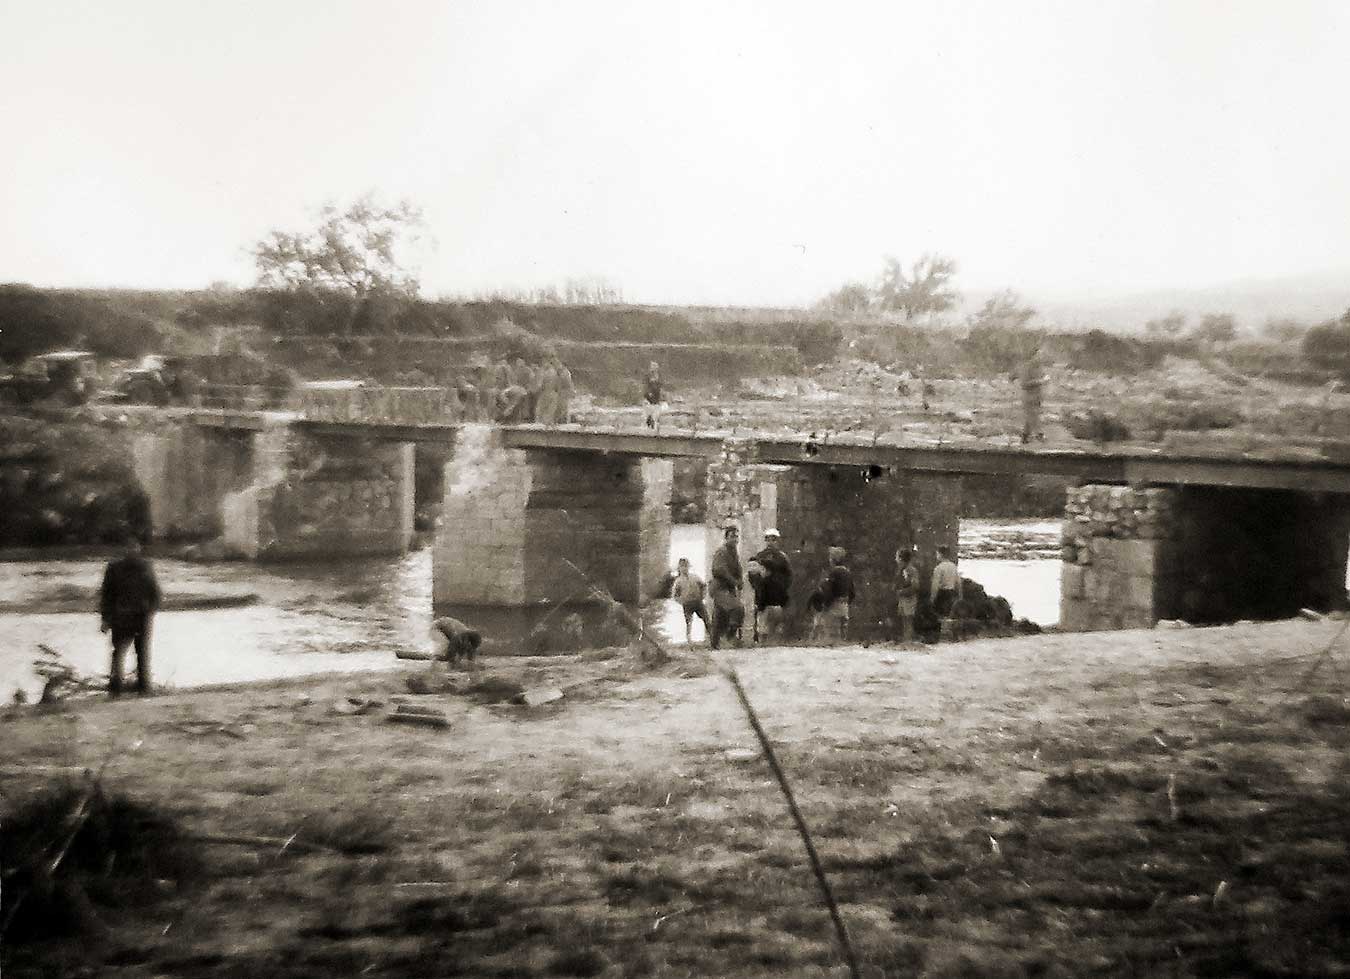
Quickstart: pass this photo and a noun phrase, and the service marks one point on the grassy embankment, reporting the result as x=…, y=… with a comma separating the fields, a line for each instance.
x=1142, y=803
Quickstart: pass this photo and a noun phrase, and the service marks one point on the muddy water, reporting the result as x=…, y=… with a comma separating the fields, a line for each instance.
x=320, y=618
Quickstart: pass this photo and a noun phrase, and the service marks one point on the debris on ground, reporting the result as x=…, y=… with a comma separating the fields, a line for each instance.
x=538, y=696
x=419, y=714
x=354, y=706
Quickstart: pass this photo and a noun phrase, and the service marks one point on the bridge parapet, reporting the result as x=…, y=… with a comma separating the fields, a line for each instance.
x=354, y=402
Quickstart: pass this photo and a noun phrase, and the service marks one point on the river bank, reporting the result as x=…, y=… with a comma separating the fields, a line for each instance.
x=1124, y=803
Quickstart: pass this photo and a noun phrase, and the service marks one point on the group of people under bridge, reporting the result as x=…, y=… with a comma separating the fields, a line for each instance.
x=721, y=602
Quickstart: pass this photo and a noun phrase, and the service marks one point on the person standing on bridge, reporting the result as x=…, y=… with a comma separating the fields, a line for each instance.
x=728, y=612
x=127, y=602
x=1033, y=394
x=652, y=395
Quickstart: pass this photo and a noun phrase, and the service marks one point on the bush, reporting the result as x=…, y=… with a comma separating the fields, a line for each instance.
x=1107, y=353
x=1190, y=416
x=1328, y=345
x=1097, y=426
x=116, y=860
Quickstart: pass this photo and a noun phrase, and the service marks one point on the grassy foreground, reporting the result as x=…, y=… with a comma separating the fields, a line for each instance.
x=1138, y=803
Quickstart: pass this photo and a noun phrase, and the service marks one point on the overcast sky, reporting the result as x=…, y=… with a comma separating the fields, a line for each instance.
x=722, y=153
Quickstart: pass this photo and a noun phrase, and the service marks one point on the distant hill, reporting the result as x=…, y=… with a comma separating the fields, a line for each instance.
x=1309, y=298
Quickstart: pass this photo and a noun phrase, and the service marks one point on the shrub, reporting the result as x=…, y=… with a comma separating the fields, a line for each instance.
x=1327, y=345
x=1097, y=426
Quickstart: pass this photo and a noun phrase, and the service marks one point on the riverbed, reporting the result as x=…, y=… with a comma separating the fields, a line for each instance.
x=318, y=618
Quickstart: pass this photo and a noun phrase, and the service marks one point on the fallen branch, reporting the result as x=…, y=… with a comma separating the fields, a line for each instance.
x=826, y=892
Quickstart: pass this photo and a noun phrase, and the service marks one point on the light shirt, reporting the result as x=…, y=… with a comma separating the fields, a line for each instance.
x=946, y=577
x=687, y=589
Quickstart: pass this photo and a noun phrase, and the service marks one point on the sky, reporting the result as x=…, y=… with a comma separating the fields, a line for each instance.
x=720, y=153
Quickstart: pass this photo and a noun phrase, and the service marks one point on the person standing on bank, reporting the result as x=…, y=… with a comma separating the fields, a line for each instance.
x=652, y=395
x=839, y=595
x=906, y=592
x=772, y=595
x=946, y=585
x=725, y=590
x=688, y=590
x=127, y=603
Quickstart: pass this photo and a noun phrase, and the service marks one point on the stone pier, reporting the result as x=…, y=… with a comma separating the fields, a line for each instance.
x=1132, y=556
x=185, y=472
x=523, y=531
x=313, y=496
x=871, y=512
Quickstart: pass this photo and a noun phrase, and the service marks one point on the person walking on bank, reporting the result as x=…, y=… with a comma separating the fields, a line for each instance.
x=725, y=590
x=653, y=396
x=906, y=592
x=127, y=603
x=771, y=597
x=689, y=591
x=946, y=585
x=838, y=596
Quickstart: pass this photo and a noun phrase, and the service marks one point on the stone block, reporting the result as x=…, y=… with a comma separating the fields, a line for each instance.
x=1139, y=593
x=1072, y=581
x=1075, y=614
x=1137, y=618
x=1134, y=557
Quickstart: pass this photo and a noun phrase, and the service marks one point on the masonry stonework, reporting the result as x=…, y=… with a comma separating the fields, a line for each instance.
x=322, y=497
x=185, y=472
x=1203, y=554
x=1119, y=561
x=523, y=531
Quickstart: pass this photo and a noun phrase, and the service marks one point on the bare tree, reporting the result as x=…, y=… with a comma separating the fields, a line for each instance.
x=925, y=289
x=1005, y=311
x=359, y=251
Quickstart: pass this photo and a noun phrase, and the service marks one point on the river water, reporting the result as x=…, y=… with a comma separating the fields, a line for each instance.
x=313, y=618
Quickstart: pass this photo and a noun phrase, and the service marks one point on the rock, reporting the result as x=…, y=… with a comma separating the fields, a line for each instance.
x=1172, y=624
x=538, y=696
x=741, y=755
x=1311, y=615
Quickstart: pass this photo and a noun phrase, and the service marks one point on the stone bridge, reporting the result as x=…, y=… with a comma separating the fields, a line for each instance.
x=536, y=516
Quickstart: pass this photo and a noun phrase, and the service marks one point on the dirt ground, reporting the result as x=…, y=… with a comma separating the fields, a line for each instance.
x=1154, y=803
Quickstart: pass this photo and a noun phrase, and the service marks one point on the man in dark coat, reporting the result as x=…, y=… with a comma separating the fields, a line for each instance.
x=771, y=593
x=725, y=589
x=127, y=603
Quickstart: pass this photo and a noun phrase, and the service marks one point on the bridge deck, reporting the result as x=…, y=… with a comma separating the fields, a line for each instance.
x=1126, y=464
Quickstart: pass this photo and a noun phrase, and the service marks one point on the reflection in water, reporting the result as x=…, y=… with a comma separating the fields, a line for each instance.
x=317, y=618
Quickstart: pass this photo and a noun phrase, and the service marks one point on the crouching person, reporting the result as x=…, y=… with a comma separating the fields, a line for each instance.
x=461, y=642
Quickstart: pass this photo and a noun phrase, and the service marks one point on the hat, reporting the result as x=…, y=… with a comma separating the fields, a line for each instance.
x=772, y=532
x=731, y=525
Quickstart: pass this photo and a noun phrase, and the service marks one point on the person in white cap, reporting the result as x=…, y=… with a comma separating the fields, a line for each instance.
x=773, y=588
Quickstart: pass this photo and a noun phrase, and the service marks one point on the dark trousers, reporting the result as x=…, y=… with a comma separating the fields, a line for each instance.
x=943, y=602
x=726, y=622
x=696, y=609
x=124, y=634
